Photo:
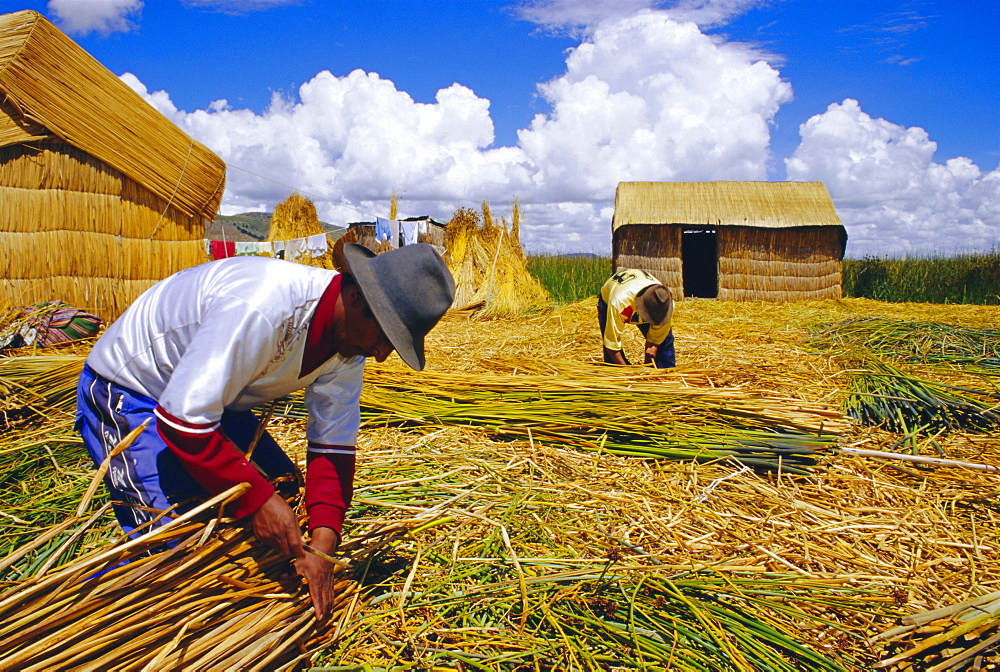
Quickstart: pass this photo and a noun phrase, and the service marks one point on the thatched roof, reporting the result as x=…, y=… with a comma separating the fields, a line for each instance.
x=52, y=88
x=762, y=204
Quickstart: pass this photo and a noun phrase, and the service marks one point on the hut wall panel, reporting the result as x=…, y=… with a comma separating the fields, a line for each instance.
x=94, y=255
x=652, y=247
x=777, y=295
x=105, y=297
x=37, y=210
x=75, y=190
x=434, y=235
x=789, y=264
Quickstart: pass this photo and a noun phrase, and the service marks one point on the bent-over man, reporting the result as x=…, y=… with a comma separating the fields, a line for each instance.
x=633, y=296
x=197, y=351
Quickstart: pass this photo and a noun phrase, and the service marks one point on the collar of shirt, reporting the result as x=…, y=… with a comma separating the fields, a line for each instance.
x=317, y=350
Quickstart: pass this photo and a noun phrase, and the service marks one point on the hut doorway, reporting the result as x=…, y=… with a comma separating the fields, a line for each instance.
x=700, y=263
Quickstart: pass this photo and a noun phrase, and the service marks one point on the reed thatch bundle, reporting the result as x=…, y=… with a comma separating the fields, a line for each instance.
x=295, y=217
x=962, y=636
x=489, y=266
x=100, y=194
x=215, y=600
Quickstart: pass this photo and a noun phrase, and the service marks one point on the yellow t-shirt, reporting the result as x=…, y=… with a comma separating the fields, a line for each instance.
x=619, y=293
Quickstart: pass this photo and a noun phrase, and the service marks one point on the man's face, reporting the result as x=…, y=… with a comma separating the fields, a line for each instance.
x=360, y=333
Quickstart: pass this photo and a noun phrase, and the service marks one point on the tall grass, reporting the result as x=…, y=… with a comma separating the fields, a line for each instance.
x=973, y=278
x=570, y=278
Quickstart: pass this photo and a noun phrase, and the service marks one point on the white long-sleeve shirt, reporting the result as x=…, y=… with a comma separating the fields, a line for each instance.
x=230, y=335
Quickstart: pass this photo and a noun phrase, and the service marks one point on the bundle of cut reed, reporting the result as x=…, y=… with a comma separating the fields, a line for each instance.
x=916, y=341
x=41, y=382
x=879, y=394
x=629, y=416
x=214, y=600
x=956, y=637
x=295, y=217
x=489, y=266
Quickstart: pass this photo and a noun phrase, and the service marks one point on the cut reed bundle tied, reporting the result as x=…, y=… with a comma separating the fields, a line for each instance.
x=215, y=600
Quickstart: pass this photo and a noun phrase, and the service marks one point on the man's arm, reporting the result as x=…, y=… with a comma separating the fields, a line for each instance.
x=329, y=490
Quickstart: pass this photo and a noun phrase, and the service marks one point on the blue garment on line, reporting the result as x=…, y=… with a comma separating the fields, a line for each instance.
x=382, y=230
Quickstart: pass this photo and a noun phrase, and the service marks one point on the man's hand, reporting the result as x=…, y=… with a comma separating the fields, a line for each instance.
x=276, y=525
x=319, y=572
x=651, y=350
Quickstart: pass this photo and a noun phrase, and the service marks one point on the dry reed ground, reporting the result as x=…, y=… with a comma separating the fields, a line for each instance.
x=494, y=522
x=911, y=539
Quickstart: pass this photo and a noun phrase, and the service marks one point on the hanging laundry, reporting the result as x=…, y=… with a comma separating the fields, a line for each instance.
x=422, y=227
x=393, y=234
x=382, y=230
x=223, y=249
x=279, y=248
x=265, y=247
x=317, y=245
x=295, y=248
x=246, y=247
x=407, y=233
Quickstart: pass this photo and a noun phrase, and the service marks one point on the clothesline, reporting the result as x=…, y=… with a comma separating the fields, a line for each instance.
x=315, y=246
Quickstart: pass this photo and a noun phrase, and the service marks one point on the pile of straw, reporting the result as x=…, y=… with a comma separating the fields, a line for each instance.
x=213, y=601
x=491, y=274
x=480, y=540
x=295, y=217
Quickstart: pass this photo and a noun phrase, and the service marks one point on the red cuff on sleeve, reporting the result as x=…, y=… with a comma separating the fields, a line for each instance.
x=213, y=461
x=329, y=487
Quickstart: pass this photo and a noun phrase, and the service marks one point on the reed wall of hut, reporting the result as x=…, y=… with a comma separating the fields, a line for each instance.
x=76, y=230
x=652, y=247
x=101, y=195
x=736, y=241
x=790, y=264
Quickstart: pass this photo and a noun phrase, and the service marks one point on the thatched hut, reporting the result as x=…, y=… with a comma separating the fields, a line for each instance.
x=101, y=194
x=736, y=241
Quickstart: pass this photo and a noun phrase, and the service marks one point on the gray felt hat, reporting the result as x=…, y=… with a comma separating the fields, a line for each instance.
x=655, y=305
x=408, y=290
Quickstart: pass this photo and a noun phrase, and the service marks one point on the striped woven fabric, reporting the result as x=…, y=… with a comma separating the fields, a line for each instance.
x=50, y=323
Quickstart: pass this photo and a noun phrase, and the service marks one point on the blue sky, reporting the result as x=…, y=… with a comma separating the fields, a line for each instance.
x=894, y=104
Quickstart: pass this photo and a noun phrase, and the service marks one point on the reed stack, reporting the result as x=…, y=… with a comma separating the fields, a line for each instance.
x=489, y=266
x=294, y=218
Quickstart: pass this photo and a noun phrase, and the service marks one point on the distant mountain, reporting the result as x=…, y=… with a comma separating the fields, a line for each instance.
x=252, y=226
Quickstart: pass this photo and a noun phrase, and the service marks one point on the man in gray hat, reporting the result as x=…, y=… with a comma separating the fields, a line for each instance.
x=636, y=297
x=197, y=351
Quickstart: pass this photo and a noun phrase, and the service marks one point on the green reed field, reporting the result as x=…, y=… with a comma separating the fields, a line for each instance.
x=570, y=278
x=973, y=279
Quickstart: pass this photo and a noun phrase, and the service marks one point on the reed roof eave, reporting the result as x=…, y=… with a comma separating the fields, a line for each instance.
x=53, y=83
x=725, y=203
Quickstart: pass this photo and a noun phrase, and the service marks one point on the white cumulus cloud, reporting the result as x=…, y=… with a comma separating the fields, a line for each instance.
x=80, y=17
x=893, y=197
x=643, y=98
x=582, y=15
